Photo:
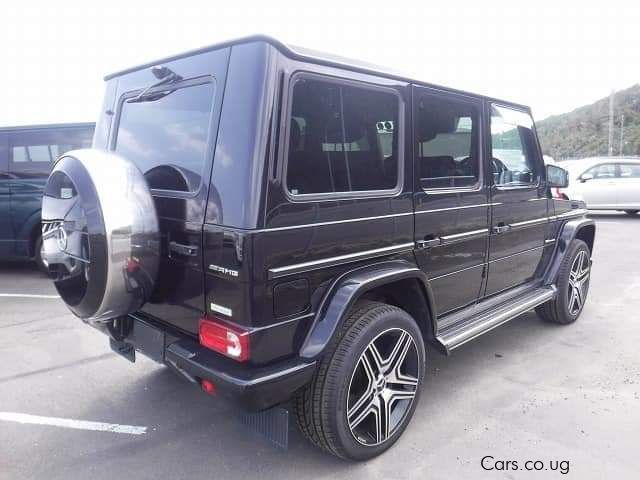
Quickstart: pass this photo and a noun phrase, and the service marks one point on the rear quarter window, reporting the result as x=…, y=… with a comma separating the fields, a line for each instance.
x=343, y=139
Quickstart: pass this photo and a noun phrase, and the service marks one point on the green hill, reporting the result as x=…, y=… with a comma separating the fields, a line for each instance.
x=584, y=132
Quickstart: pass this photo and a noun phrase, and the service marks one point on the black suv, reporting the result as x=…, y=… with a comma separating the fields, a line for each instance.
x=276, y=224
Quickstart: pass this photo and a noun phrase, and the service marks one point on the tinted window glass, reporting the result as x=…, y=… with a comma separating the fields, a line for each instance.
x=629, y=170
x=605, y=170
x=342, y=139
x=34, y=151
x=513, y=147
x=447, y=143
x=165, y=134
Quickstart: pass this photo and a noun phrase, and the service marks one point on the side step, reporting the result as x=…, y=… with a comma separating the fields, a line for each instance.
x=483, y=321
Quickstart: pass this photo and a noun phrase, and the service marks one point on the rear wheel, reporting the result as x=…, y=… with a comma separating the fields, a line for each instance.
x=572, y=284
x=367, y=386
x=631, y=212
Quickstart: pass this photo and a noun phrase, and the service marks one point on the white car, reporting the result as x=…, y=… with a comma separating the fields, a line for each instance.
x=604, y=183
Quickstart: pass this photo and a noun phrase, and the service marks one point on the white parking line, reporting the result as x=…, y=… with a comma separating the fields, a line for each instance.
x=70, y=423
x=27, y=295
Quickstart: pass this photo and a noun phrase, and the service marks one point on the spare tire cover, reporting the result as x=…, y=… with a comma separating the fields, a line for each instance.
x=100, y=234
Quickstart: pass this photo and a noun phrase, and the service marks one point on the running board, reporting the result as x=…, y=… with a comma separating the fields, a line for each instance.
x=458, y=334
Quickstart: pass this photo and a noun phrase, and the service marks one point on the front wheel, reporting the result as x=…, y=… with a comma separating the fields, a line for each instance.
x=572, y=284
x=366, y=388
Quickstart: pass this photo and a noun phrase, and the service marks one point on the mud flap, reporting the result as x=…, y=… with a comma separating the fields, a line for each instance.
x=123, y=349
x=272, y=424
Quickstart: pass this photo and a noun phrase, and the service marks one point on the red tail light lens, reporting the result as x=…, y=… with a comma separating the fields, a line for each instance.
x=223, y=338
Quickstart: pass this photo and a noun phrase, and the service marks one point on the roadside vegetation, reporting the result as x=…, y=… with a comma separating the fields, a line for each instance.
x=584, y=132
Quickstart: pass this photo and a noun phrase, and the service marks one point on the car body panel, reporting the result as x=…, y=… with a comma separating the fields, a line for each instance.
x=6, y=225
x=178, y=298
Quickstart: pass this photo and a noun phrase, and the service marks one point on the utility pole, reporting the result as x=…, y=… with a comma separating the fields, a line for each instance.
x=611, y=97
x=621, y=149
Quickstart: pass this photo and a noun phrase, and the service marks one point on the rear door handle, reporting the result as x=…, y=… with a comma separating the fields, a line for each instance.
x=182, y=249
x=428, y=243
x=501, y=228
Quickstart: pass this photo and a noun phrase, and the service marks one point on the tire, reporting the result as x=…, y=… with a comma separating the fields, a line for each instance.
x=42, y=264
x=341, y=383
x=572, y=285
x=631, y=212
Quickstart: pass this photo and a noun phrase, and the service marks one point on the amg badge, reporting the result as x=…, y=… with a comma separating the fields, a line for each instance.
x=226, y=271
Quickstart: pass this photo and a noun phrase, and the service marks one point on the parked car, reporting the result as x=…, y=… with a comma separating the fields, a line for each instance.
x=253, y=216
x=605, y=183
x=26, y=157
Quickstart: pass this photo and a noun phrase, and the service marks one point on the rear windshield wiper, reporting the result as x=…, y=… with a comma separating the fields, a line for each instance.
x=166, y=76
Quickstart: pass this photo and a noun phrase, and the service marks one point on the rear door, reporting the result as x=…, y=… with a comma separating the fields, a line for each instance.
x=31, y=156
x=519, y=200
x=628, y=186
x=168, y=131
x=6, y=229
x=451, y=198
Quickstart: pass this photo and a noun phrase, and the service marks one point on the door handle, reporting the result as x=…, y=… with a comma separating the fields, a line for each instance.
x=428, y=242
x=182, y=249
x=501, y=228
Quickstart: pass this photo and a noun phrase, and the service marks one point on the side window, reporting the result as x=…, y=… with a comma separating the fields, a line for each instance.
x=33, y=152
x=629, y=170
x=447, y=143
x=603, y=171
x=515, y=159
x=341, y=139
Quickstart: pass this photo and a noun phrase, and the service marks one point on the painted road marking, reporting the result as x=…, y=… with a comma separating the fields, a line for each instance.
x=27, y=295
x=70, y=423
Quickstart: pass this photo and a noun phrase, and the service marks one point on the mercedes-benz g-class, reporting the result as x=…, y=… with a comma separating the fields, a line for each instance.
x=276, y=224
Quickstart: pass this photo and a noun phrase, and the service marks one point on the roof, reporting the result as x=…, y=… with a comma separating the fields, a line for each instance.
x=47, y=126
x=313, y=56
x=574, y=165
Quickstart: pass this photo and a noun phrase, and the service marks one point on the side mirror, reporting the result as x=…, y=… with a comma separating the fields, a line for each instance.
x=557, y=177
x=586, y=176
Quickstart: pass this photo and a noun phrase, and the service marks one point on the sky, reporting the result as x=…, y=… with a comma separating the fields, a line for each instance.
x=553, y=56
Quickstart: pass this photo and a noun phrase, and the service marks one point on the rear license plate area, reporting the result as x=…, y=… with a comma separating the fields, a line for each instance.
x=143, y=338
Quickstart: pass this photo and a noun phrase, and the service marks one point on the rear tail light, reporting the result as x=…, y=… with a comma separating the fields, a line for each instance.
x=223, y=338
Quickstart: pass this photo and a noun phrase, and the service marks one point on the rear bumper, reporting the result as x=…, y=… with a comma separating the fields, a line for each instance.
x=252, y=388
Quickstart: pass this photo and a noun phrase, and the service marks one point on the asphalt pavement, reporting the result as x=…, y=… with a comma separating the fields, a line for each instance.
x=525, y=392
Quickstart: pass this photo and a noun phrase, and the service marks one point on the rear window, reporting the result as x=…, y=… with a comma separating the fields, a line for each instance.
x=165, y=133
